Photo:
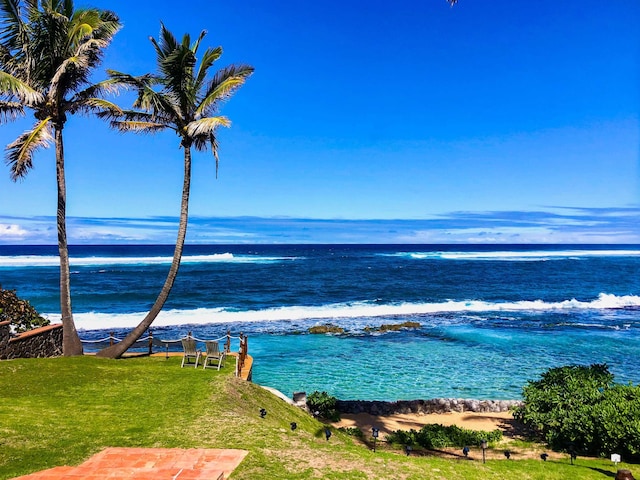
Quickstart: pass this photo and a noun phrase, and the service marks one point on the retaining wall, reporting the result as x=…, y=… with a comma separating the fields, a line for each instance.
x=435, y=405
x=37, y=343
x=5, y=335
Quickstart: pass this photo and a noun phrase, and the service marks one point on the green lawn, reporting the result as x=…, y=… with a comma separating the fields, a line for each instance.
x=61, y=411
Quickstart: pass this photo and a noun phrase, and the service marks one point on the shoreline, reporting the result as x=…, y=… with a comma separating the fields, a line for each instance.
x=484, y=421
x=422, y=407
x=484, y=415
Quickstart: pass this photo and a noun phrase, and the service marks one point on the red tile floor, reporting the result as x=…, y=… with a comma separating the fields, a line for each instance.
x=149, y=464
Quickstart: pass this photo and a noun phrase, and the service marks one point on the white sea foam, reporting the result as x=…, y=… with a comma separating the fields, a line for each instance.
x=202, y=316
x=513, y=256
x=53, y=261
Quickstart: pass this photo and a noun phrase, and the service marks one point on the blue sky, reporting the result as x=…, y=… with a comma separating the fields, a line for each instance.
x=493, y=121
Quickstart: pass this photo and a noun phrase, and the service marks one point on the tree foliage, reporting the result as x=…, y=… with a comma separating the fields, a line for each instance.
x=581, y=407
x=19, y=312
x=48, y=53
x=323, y=405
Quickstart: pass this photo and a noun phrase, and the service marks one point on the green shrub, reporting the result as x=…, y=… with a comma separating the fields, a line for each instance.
x=434, y=436
x=323, y=405
x=19, y=312
x=580, y=407
x=353, y=431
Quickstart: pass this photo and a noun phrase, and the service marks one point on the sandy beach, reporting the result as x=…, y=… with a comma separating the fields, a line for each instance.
x=471, y=420
x=387, y=424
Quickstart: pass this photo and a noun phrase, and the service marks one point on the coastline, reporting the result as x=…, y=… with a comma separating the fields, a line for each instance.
x=485, y=421
x=485, y=415
x=422, y=407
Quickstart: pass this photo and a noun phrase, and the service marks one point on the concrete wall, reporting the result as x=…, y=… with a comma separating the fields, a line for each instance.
x=37, y=343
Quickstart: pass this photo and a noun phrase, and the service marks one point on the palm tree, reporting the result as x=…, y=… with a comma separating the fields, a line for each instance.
x=182, y=98
x=48, y=51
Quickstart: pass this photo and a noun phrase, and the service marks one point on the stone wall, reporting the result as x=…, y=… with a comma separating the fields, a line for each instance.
x=37, y=343
x=5, y=335
x=436, y=405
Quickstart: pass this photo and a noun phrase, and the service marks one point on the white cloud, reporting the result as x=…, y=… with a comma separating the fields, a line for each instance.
x=12, y=231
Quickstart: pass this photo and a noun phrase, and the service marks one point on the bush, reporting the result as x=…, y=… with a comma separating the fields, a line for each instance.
x=19, y=312
x=324, y=405
x=439, y=436
x=353, y=431
x=580, y=407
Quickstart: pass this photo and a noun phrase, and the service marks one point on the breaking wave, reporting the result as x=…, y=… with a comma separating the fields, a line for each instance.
x=514, y=256
x=354, y=310
x=53, y=261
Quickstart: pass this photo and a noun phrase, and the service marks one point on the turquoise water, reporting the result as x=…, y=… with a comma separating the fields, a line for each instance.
x=490, y=317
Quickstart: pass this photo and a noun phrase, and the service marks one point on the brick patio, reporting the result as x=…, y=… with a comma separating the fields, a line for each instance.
x=149, y=464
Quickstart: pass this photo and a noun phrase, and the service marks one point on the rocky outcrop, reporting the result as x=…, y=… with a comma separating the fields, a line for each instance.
x=37, y=343
x=435, y=405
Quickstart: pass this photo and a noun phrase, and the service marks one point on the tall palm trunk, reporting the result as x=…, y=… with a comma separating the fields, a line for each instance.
x=119, y=348
x=71, y=344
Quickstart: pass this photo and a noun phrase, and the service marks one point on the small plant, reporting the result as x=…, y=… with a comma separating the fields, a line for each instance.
x=323, y=405
x=353, y=431
x=19, y=312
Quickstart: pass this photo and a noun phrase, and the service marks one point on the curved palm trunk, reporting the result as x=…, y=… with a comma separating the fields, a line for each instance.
x=71, y=344
x=118, y=349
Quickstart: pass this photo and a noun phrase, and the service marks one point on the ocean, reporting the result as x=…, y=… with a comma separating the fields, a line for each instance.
x=490, y=317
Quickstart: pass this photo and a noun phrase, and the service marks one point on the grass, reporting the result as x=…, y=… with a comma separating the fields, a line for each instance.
x=61, y=411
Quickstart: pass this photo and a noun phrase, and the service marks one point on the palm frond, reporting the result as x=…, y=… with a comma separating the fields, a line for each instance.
x=158, y=104
x=98, y=89
x=74, y=71
x=99, y=24
x=10, y=85
x=20, y=152
x=81, y=26
x=110, y=25
x=135, y=115
x=224, y=83
x=166, y=45
x=99, y=106
x=129, y=81
x=137, y=127
x=67, y=8
x=206, y=126
x=196, y=44
x=177, y=70
x=10, y=111
x=208, y=59
x=13, y=26
x=66, y=68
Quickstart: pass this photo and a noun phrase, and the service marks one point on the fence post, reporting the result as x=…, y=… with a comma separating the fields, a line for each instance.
x=241, y=355
x=150, y=342
x=111, y=339
x=227, y=345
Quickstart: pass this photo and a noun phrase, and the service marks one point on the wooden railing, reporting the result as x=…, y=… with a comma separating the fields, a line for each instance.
x=152, y=342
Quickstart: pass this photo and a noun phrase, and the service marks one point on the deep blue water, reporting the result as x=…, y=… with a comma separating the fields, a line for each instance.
x=491, y=316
